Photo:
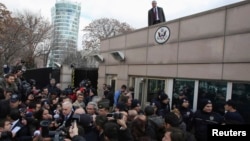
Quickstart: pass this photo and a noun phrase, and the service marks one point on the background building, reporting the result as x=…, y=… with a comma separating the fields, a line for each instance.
x=206, y=56
x=65, y=20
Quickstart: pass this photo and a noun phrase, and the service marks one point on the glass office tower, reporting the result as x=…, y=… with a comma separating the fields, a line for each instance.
x=65, y=20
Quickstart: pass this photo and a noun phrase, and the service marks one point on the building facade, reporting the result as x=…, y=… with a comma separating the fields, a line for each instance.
x=65, y=20
x=205, y=55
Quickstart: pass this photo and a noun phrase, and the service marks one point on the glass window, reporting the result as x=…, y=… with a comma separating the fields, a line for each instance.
x=215, y=91
x=241, y=95
x=154, y=86
x=185, y=87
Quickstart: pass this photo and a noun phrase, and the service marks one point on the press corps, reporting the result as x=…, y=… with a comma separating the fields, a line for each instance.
x=216, y=132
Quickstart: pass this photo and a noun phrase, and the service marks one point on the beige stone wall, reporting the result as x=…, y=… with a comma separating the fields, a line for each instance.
x=211, y=45
x=65, y=77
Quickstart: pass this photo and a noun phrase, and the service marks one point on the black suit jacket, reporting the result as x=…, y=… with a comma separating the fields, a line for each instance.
x=68, y=120
x=161, y=15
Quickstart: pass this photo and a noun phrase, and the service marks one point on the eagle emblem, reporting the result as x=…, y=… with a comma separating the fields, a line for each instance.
x=162, y=34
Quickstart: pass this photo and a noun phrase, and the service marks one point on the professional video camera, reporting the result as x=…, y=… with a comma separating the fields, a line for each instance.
x=57, y=135
x=84, y=120
x=115, y=115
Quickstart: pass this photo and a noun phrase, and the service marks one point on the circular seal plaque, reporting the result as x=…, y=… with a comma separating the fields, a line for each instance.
x=162, y=34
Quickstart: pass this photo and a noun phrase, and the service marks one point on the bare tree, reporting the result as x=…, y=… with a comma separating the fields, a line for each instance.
x=20, y=35
x=37, y=32
x=101, y=29
x=96, y=31
x=6, y=23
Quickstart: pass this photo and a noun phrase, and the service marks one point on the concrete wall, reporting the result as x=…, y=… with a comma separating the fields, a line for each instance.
x=209, y=45
x=65, y=76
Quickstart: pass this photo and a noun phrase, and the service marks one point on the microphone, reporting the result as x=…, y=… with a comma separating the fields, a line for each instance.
x=56, y=116
x=62, y=126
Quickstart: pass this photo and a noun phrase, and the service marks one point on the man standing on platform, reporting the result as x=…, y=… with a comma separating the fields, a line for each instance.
x=155, y=14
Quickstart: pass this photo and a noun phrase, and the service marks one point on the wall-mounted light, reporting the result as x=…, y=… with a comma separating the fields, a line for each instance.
x=117, y=55
x=57, y=65
x=98, y=58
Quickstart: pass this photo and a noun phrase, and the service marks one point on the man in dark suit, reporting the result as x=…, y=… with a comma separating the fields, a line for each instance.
x=155, y=14
x=67, y=111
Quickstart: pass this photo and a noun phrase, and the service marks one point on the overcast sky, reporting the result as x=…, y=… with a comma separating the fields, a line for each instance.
x=133, y=12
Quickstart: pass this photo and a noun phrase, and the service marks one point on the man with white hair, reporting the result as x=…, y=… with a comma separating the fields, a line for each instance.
x=92, y=108
x=68, y=111
x=155, y=14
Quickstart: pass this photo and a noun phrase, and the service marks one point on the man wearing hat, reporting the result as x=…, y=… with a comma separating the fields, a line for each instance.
x=15, y=101
x=103, y=108
x=6, y=105
x=163, y=107
x=177, y=101
x=203, y=117
x=186, y=113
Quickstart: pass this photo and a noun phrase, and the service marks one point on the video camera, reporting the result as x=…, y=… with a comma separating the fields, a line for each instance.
x=75, y=117
x=57, y=135
x=115, y=115
x=84, y=120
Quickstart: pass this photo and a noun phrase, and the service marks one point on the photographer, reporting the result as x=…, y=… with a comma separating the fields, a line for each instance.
x=73, y=132
x=120, y=118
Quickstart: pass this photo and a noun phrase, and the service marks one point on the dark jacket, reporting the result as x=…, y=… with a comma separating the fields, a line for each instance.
x=202, y=120
x=4, y=108
x=6, y=136
x=78, y=138
x=125, y=135
x=68, y=121
x=151, y=15
x=23, y=134
x=233, y=118
x=187, y=117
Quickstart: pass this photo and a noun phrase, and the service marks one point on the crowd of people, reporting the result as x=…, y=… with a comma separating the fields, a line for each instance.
x=79, y=114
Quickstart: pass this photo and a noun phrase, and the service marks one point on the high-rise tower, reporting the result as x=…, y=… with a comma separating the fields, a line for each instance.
x=65, y=20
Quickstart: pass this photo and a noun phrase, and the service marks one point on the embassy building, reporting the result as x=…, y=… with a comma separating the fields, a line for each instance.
x=205, y=55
